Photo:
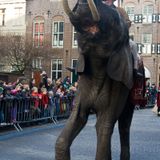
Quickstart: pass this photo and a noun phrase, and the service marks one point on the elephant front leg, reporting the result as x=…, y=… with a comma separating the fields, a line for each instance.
x=74, y=125
x=104, y=133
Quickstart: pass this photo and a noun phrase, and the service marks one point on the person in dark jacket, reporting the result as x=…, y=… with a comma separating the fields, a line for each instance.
x=133, y=45
x=1, y=105
x=44, y=83
x=158, y=102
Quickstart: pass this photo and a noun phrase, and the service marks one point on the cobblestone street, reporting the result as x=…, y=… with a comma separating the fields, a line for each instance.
x=37, y=143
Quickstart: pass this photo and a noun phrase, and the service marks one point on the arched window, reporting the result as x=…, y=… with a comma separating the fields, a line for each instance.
x=130, y=11
x=38, y=32
x=57, y=33
x=147, y=13
x=147, y=41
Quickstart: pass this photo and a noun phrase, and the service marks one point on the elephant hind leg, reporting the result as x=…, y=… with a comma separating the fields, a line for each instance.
x=124, y=123
x=74, y=125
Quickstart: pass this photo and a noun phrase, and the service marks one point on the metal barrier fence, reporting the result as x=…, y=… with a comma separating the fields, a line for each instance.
x=15, y=111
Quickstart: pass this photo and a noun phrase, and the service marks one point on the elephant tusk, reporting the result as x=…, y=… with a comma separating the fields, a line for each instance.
x=66, y=8
x=94, y=11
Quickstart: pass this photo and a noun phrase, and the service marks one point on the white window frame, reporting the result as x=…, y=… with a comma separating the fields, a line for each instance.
x=56, y=42
x=130, y=11
x=57, y=71
x=37, y=63
x=39, y=33
x=147, y=43
x=147, y=13
x=19, y=18
x=74, y=40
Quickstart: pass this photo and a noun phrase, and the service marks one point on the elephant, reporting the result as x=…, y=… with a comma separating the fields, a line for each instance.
x=105, y=68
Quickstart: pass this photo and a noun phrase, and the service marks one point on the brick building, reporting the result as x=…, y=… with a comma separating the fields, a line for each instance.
x=145, y=30
x=50, y=29
x=58, y=34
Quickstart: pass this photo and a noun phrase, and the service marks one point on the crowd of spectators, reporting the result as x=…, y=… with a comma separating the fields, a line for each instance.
x=23, y=88
x=46, y=91
x=151, y=93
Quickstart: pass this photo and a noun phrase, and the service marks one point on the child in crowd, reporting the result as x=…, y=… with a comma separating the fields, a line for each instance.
x=36, y=96
x=44, y=100
x=51, y=106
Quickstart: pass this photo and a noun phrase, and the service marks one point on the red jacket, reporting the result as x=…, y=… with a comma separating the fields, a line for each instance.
x=36, y=99
x=44, y=100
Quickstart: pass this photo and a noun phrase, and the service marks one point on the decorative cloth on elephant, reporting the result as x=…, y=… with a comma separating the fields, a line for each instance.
x=138, y=90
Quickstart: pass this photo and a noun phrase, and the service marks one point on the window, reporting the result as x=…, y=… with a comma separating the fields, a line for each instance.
x=2, y=67
x=158, y=18
x=56, y=68
x=147, y=13
x=154, y=48
x=130, y=12
x=158, y=48
x=147, y=41
x=74, y=39
x=37, y=63
x=139, y=48
x=38, y=32
x=138, y=18
x=57, y=34
x=2, y=17
x=154, y=18
x=19, y=16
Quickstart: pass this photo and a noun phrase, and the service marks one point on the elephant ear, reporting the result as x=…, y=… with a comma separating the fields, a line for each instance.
x=120, y=67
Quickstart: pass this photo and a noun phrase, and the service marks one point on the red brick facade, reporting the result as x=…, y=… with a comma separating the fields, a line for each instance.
x=52, y=10
x=152, y=60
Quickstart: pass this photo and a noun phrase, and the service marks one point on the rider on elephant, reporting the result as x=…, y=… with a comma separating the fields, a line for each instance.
x=132, y=44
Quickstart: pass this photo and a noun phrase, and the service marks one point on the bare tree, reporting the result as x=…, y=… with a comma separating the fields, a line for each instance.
x=17, y=51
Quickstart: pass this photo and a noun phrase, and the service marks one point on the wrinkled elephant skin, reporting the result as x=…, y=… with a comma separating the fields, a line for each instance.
x=105, y=69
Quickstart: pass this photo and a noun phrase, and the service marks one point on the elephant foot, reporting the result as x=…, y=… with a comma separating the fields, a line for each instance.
x=125, y=154
x=62, y=152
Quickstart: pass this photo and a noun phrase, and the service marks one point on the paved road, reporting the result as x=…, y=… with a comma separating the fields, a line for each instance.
x=37, y=143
